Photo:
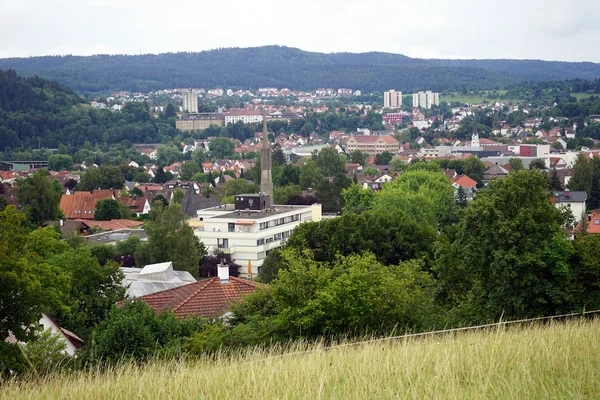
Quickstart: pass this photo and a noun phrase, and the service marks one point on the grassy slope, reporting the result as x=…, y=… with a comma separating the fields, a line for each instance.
x=558, y=361
x=470, y=98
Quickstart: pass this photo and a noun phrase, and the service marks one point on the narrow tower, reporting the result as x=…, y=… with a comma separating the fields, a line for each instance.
x=266, y=183
x=475, y=137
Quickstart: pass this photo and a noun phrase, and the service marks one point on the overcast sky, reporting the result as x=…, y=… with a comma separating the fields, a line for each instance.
x=550, y=29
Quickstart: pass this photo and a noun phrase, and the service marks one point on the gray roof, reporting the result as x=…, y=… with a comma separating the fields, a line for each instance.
x=193, y=202
x=573, y=197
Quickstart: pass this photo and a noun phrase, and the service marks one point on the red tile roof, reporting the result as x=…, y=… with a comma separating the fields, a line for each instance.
x=81, y=205
x=593, y=224
x=206, y=298
x=134, y=203
x=464, y=181
x=114, y=224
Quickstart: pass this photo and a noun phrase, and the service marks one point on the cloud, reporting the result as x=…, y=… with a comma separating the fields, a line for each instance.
x=551, y=29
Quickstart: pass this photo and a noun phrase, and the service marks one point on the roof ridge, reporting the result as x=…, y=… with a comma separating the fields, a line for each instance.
x=208, y=281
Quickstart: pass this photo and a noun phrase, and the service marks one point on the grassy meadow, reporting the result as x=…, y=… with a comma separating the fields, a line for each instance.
x=552, y=361
x=471, y=98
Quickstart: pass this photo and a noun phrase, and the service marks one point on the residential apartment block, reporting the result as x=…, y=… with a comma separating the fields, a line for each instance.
x=251, y=228
x=190, y=101
x=392, y=99
x=426, y=99
x=372, y=144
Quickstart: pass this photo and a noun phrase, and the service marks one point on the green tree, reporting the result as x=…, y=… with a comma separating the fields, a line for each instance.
x=509, y=251
x=310, y=175
x=357, y=199
x=189, y=169
x=170, y=111
x=554, y=181
x=222, y=147
x=108, y=209
x=271, y=265
x=277, y=156
x=46, y=353
x=310, y=299
x=357, y=157
x=170, y=238
x=94, y=289
x=161, y=176
x=290, y=175
x=59, y=162
x=29, y=285
x=240, y=186
x=538, y=164
x=283, y=193
x=516, y=164
x=474, y=169
x=461, y=198
x=384, y=158
x=136, y=332
x=330, y=162
x=39, y=200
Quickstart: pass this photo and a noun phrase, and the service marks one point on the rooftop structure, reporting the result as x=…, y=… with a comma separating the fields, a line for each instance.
x=154, y=278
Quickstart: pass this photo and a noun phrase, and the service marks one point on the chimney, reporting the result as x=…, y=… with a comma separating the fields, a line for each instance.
x=223, y=273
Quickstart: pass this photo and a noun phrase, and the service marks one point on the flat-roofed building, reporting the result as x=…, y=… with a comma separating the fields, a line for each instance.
x=190, y=101
x=246, y=116
x=250, y=228
x=392, y=99
x=372, y=144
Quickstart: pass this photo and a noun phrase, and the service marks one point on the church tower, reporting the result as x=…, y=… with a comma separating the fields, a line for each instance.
x=266, y=182
x=475, y=137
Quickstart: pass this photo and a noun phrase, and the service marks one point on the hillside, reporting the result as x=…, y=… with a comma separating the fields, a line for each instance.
x=543, y=361
x=289, y=67
x=36, y=112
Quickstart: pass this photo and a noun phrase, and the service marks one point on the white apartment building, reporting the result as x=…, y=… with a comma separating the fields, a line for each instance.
x=392, y=99
x=247, y=117
x=249, y=229
x=426, y=99
x=190, y=101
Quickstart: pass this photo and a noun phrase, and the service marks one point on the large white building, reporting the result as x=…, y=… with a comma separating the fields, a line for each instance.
x=392, y=99
x=426, y=99
x=247, y=117
x=250, y=228
x=190, y=101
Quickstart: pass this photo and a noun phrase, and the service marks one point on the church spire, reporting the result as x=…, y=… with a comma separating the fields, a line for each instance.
x=475, y=137
x=266, y=182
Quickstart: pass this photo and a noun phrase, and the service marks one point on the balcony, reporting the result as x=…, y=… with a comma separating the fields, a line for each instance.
x=224, y=250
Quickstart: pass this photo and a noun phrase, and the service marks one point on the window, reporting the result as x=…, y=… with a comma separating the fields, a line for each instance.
x=231, y=227
x=223, y=243
x=597, y=222
x=260, y=242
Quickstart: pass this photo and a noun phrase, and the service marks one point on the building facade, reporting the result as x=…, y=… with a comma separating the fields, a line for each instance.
x=248, y=230
x=392, y=99
x=190, y=101
x=247, y=117
x=371, y=144
x=426, y=99
x=199, y=121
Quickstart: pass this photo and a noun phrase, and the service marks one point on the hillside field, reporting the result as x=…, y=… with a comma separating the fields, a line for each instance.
x=546, y=361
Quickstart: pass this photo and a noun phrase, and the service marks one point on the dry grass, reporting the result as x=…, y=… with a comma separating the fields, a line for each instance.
x=556, y=361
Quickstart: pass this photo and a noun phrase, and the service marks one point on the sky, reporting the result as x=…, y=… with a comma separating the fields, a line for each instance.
x=566, y=30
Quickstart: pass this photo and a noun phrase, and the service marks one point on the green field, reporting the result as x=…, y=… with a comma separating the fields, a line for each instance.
x=472, y=98
x=551, y=361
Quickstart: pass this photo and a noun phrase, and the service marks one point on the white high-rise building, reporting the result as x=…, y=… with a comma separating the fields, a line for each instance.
x=426, y=99
x=392, y=99
x=190, y=101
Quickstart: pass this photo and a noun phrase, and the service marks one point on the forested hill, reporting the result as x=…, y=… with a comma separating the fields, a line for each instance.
x=35, y=112
x=287, y=67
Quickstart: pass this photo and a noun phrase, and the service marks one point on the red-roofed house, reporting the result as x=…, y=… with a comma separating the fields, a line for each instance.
x=81, y=205
x=208, y=298
x=593, y=223
x=468, y=185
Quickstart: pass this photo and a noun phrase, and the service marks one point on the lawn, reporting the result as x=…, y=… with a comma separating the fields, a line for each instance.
x=471, y=98
x=544, y=361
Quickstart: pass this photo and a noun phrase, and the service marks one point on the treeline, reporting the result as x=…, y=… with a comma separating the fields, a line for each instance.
x=253, y=68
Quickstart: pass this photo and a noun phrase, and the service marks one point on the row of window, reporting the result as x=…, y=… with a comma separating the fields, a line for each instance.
x=274, y=238
x=279, y=221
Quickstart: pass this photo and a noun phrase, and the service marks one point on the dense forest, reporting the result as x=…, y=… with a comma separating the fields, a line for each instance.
x=36, y=113
x=288, y=67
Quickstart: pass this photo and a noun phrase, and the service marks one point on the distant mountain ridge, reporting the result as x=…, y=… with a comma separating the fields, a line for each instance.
x=289, y=67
